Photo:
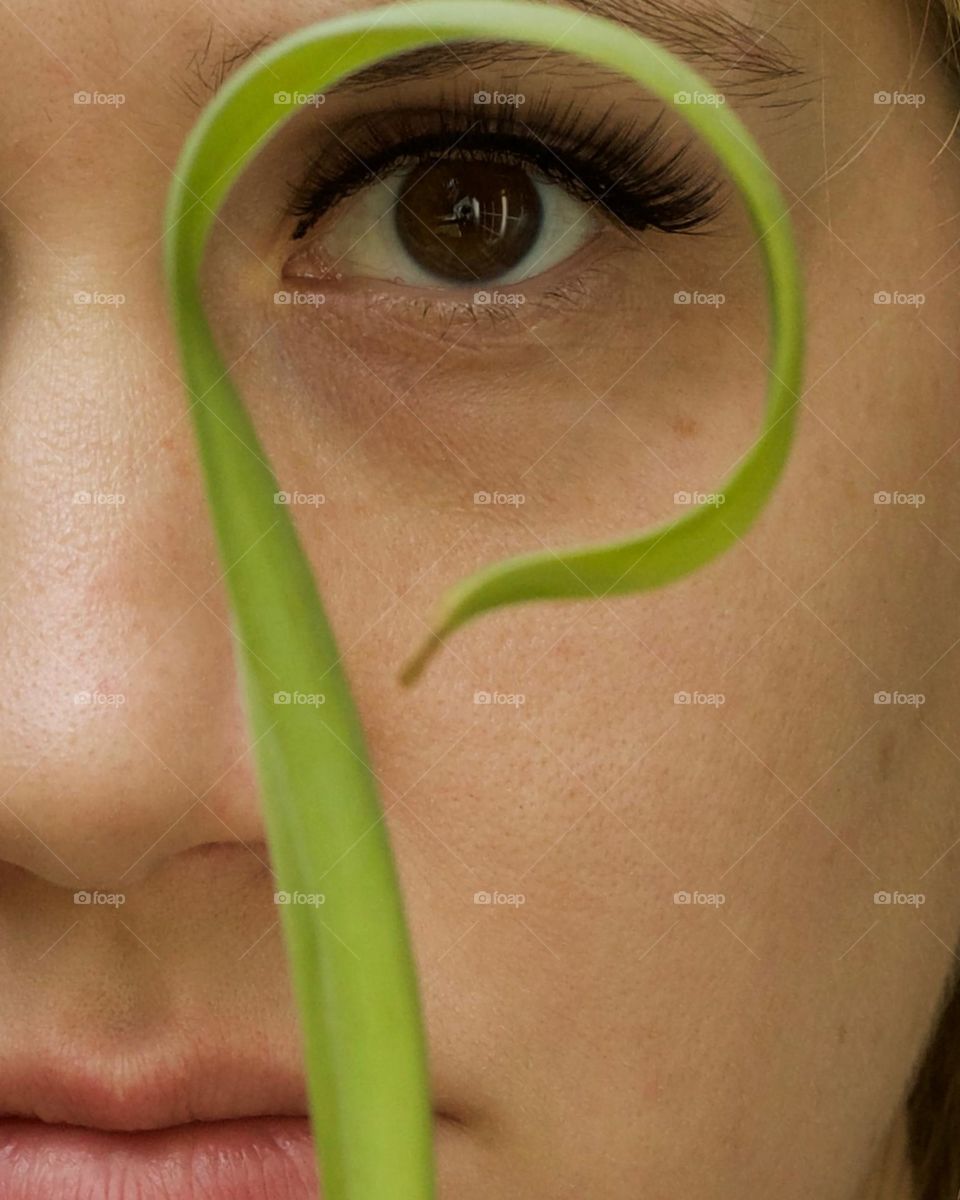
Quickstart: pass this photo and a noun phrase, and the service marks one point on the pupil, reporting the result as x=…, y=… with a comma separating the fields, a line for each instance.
x=468, y=221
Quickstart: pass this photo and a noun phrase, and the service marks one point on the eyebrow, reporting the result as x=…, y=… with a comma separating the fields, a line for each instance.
x=746, y=61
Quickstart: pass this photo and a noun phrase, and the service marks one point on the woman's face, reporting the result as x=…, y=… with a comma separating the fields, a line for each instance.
x=652, y=939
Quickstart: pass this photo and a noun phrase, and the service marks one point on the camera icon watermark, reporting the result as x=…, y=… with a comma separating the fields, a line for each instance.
x=299, y=99
x=708, y=99
x=300, y=699
x=106, y=299
x=511, y=899
x=512, y=99
x=100, y=99
x=99, y=699
x=507, y=699
x=311, y=899
x=900, y=699
x=100, y=899
x=299, y=299
x=900, y=299
x=713, y=499
x=308, y=499
x=700, y=699
x=106, y=499
x=900, y=499
x=499, y=299
x=900, y=899
x=700, y=299
x=500, y=499
x=703, y=899
x=900, y=99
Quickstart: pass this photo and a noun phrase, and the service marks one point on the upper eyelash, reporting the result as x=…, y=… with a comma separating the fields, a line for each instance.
x=629, y=170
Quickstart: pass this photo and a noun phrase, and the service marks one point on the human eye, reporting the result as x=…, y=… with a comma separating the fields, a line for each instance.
x=441, y=200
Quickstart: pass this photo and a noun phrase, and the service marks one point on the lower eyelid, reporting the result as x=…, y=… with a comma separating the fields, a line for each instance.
x=587, y=280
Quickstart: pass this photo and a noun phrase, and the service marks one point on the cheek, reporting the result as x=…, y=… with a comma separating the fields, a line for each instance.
x=597, y=798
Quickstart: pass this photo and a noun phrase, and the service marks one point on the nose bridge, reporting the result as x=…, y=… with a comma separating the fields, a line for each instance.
x=121, y=739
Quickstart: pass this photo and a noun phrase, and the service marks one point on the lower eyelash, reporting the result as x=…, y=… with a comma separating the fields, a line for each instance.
x=630, y=171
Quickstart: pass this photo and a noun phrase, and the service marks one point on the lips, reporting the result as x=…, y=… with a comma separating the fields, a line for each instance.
x=208, y=1127
x=256, y=1158
x=200, y=1127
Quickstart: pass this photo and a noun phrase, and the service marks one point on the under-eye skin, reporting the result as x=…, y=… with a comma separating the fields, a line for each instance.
x=436, y=202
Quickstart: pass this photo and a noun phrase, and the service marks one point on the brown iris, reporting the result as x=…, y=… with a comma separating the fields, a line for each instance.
x=468, y=220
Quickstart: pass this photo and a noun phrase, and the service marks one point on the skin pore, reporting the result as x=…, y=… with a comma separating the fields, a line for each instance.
x=691, y=987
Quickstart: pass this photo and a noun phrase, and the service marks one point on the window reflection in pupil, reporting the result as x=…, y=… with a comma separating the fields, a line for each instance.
x=468, y=221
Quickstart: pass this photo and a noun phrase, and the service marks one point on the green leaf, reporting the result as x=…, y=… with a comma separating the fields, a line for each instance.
x=353, y=972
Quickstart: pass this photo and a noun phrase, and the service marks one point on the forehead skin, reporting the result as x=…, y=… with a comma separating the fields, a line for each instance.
x=603, y=1039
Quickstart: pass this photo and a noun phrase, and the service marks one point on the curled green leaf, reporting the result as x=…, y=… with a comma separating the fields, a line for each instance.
x=351, y=960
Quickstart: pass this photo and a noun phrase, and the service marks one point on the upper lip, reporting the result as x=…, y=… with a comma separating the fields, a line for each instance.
x=135, y=1094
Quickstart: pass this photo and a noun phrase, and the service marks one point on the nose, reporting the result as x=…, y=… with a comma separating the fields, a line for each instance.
x=121, y=732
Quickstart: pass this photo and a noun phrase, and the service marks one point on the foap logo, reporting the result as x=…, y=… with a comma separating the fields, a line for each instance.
x=900, y=699
x=900, y=499
x=900, y=99
x=700, y=699
x=100, y=99
x=510, y=899
x=695, y=99
x=299, y=99
x=703, y=899
x=500, y=499
x=499, y=299
x=311, y=899
x=303, y=699
x=504, y=699
x=100, y=899
x=307, y=499
x=900, y=899
x=99, y=699
x=713, y=499
x=700, y=299
x=105, y=299
x=106, y=499
x=511, y=99
x=300, y=299
x=900, y=299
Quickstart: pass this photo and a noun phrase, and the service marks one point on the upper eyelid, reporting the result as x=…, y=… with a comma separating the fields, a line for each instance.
x=660, y=172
